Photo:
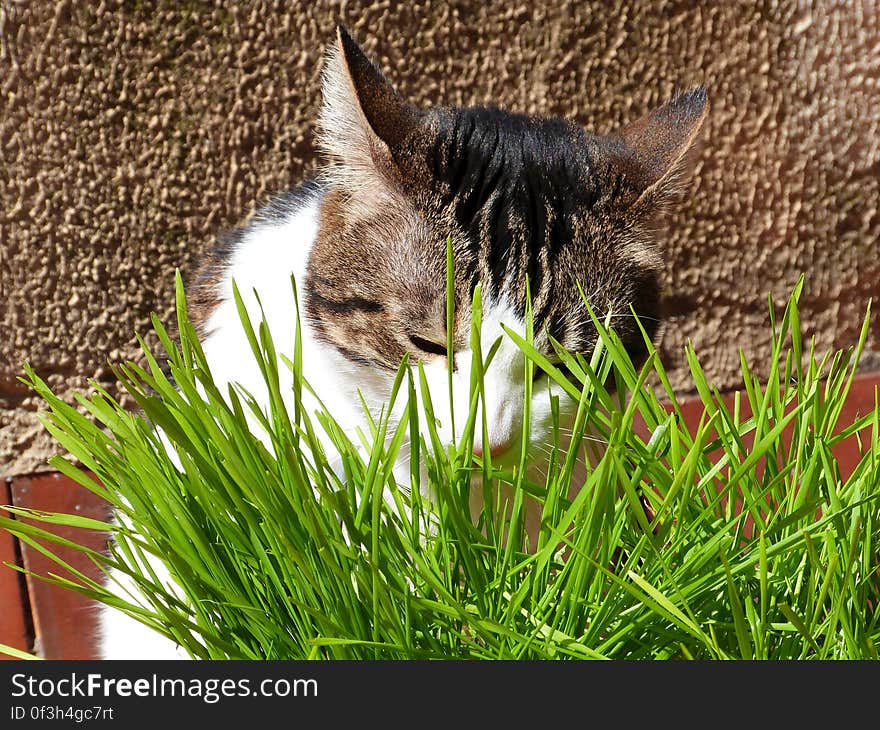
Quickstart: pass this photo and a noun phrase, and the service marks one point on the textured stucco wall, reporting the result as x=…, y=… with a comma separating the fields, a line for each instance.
x=132, y=132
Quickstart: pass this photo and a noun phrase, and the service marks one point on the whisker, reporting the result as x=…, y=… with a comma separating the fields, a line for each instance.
x=632, y=316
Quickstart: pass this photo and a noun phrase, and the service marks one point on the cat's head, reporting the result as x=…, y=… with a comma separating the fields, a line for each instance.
x=531, y=204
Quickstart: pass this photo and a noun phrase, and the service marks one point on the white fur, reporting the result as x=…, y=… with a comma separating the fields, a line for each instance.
x=122, y=637
x=265, y=260
x=502, y=406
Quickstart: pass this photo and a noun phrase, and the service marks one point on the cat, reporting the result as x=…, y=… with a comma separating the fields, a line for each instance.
x=529, y=202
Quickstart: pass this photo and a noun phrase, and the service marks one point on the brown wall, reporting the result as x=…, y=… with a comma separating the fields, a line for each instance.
x=131, y=133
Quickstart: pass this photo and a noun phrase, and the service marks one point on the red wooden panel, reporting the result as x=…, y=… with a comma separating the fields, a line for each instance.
x=64, y=621
x=859, y=402
x=14, y=609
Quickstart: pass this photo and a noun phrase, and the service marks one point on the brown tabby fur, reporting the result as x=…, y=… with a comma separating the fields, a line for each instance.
x=378, y=267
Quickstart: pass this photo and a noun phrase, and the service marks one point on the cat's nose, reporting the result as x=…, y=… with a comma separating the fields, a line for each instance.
x=495, y=450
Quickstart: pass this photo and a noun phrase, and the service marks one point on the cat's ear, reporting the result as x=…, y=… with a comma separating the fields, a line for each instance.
x=364, y=123
x=662, y=145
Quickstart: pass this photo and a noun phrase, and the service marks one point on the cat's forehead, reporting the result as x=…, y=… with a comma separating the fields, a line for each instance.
x=512, y=144
x=529, y=130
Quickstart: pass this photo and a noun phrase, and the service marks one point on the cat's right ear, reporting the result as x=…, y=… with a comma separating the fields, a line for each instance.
x=365, y=125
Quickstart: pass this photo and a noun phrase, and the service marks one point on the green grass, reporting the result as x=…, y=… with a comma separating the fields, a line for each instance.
x=761, y=551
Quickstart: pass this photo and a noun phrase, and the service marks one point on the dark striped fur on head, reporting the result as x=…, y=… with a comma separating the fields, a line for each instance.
x=532, y=204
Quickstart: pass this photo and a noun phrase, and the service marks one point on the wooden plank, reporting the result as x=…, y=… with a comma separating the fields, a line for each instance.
x=64, y=621
x=15, y=621
x=860, y=401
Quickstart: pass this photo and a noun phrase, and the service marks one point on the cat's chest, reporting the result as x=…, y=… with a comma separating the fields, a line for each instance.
x=271, y=256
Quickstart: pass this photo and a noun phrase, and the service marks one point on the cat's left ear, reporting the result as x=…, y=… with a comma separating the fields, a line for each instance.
x=662, y=146
x=364, y=124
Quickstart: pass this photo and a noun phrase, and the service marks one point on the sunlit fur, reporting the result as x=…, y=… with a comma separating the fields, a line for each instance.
x=530, y=204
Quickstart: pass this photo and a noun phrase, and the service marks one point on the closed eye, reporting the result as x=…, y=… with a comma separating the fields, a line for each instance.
x=432, y=348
